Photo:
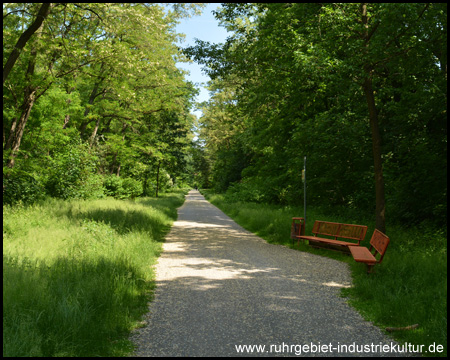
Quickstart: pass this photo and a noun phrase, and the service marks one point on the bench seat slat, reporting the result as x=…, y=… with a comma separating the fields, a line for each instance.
x=378, y=246
x=324, y=240
x=362, y=254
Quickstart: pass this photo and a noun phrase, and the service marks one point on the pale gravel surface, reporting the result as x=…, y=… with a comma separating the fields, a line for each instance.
x=219, y=285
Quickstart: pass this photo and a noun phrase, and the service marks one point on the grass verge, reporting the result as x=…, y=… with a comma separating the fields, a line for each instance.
x=408, y=287
x=77, y=275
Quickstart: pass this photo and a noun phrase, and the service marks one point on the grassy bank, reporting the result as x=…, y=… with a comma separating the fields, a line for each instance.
x=408, y=287
x=77, y=275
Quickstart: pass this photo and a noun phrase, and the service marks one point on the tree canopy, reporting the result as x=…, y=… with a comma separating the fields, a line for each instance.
x=91, y=90
x=360, y=89
x=93, y=104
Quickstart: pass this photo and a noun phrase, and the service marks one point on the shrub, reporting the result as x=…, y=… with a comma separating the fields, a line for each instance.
x=122, y=188
x=113, y=185
x=131, y=188
x=71, y=171
x=19, y=186
x=93, y=188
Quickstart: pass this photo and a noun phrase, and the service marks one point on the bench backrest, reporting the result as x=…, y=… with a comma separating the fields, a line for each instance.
x=338, y=230
x=379, y=244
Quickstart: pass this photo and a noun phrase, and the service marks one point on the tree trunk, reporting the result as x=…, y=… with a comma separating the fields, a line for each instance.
x=93, y=95
x=67, y=117
x=11, y=134
x=380, y=211
x=29, y=98
x=111, y=169
x=66, y=121
x=41, y=15
x=69, y=101
x=94, y=133
x=157, y=178
x=18, y=133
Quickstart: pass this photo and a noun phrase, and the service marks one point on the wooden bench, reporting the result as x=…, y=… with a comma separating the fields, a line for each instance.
x=335, y=231
x=378, y=246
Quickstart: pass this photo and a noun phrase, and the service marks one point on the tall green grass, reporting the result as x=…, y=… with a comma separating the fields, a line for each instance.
x=408, y=287
x=77, y=275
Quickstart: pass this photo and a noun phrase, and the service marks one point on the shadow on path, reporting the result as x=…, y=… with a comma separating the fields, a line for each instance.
x=219, y=286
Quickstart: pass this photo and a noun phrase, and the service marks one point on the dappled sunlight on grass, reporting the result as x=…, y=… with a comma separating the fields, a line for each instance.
x=77, y=274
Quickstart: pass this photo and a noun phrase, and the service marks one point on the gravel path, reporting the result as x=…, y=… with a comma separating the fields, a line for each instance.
x=219, y=286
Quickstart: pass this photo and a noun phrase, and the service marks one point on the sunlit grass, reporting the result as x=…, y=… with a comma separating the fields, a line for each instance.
x=77, y=275
x=409, y=287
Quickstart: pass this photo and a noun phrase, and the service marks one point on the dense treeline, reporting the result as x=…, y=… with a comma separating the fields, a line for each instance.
x=360, y=89
x=93, y=104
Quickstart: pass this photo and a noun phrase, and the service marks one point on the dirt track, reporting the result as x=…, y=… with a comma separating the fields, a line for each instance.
x=219, y=286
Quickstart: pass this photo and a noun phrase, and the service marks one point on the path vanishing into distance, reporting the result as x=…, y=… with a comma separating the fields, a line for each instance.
x=220, y=287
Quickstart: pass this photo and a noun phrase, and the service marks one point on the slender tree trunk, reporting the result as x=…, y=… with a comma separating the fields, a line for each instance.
x=157, y=178
x=66, y=120
x=380, y=210
x=18, y=133
x=94, y=133
x=11, y=134
x=111, y=169
x=93, y=95
x=67, y=116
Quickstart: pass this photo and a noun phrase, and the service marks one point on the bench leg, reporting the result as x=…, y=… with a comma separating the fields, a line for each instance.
x=370, y=268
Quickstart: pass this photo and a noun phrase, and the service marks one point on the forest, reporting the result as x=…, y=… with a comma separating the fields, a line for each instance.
x=100, y=147
x=93, y=104
x=359, y=89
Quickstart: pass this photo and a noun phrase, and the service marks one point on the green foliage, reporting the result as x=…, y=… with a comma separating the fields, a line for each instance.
x=104, y=75
x=20, y=186
x=252, y=190
x=92, y=187
x=122, y=188
x=131, y=188
x=113, y=186
x=228, y=167
x=72, y=173
x=290, y=82
x=198, y=167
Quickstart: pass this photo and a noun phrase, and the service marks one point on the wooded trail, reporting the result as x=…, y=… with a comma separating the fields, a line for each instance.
x=220, y=286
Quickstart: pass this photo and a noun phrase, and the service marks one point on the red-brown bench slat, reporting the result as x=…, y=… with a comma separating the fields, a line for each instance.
x=378, y=246
x=328, y=241
x=337, y=231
